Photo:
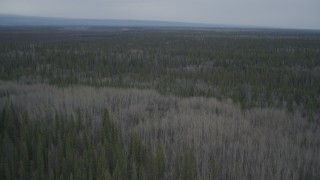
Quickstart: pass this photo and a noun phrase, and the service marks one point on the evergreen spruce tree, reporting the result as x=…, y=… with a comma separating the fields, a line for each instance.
x=22, y=172
x=160, y=162
x=213, y=168
x=107, y=175
x=117, y=174
x=189, y=165
x=71, y=176
x=51, y=175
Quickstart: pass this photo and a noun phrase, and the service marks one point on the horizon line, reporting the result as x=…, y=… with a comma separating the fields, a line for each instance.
x=185, y=23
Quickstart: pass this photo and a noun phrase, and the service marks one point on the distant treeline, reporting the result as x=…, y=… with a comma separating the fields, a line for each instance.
x=254, y=68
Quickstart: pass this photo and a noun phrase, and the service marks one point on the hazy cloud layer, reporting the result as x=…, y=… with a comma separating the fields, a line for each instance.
x=272, y=13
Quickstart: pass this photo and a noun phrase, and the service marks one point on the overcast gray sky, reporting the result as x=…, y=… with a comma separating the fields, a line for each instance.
x=272, y=13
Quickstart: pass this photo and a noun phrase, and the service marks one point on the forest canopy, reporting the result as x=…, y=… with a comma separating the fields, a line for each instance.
x=159, y=103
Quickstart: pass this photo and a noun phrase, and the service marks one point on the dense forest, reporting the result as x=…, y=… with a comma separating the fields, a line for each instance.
x=255, y=68
x=61, y=148
x=165, y=103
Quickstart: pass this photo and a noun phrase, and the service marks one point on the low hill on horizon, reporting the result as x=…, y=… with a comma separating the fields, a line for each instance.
x=20, y=20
